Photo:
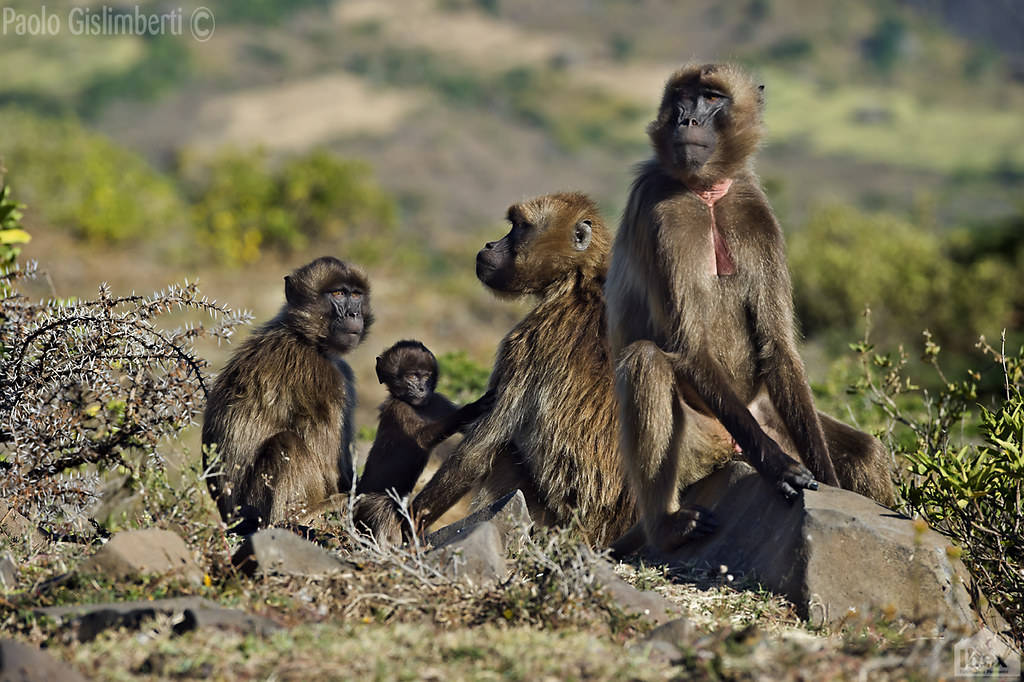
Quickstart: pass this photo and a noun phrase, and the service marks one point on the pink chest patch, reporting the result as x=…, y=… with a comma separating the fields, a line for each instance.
x=719, y=259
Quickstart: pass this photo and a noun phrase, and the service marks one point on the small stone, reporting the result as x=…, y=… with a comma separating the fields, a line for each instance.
x=275, y=550
x=131, y=554
x=8, y=572
x=16, y=529
x=645, y=604
x=475, y=556
x=509, y=515
x=86, y=621
x=23, y=663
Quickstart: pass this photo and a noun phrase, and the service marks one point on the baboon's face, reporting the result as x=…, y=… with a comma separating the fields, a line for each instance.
x=346, y=304
x=409, y=370
x=329, y=304
x=698, y=111
x=548, y=238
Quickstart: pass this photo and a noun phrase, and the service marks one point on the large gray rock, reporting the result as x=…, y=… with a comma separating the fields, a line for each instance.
x=509, y=515
x=152, y=551
x=16, y=529
x=23, y=663
x=275, y=550
x=475, y=556
x=86, y=621
x=644, y=604
x=832, y=553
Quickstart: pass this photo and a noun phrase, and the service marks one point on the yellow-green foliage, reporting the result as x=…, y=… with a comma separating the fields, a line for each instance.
x=461, y=379
x=11, y=233
x=845, y=260
x=243, y=205
x=84, y=183
x=964, y=462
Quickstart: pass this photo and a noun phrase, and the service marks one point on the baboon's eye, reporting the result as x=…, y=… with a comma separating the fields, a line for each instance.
x=356, y=295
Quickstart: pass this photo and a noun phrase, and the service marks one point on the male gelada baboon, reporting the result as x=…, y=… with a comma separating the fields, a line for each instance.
x=701, y=316
x=413, y=420
x=280, y=413
x=553, y=430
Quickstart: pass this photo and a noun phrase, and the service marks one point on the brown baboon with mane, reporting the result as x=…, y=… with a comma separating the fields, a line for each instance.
x=701, y=316
x=553, y=430
x=280, y=413
x=413, y=421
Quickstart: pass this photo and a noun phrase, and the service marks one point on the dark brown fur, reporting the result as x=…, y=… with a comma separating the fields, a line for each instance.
x=413, y=421
x=552, y=432
x=280, y=413
x=688, y=341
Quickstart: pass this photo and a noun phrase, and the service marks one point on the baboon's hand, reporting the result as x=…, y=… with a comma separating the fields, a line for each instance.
x=791, y=477
x=794, y=479
x=689, y=523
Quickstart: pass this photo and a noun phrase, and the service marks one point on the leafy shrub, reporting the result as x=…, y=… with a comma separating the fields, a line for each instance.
x=242, y=205
x=91, y=387
x=84, y=183
x=11, y=233
x=964, y=469
x=844, y=260
x=462, y=379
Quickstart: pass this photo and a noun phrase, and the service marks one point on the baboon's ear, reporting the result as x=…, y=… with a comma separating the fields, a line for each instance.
x=380, y=370
x=582, y=235
x=291, y=292
x=760, y=96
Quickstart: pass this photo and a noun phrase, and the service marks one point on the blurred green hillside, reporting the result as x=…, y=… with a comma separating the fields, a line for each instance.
x=396, y=133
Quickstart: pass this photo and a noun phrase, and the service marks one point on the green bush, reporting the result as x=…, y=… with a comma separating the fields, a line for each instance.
x=461, y=379
x=964, y=463
x=11, y=233
x=242, y=206
x=84, y=183
x=910, y=277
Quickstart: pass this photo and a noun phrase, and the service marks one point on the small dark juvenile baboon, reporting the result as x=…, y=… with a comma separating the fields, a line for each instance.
x=701, y=316
x=413, y=420
x=280, y=413
x=553, y=430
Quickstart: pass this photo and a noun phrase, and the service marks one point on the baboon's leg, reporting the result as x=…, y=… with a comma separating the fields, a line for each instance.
x=378, y=514
x=652, y=436
x=280, y=478
x=509, y=472
x=862, y=463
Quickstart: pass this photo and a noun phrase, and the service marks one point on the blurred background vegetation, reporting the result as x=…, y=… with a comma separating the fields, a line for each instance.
x=395, y=134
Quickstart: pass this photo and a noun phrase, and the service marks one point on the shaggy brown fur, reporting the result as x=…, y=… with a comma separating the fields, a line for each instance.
x=280, y=413
x=552, y=432
x=688, y=340
x=413, y=421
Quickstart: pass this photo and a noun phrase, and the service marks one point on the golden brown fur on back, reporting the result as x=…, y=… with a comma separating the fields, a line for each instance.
x=553, y=429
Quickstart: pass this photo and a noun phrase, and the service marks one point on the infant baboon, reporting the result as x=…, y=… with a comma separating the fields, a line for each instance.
x=280, y=413
x=413, y=420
